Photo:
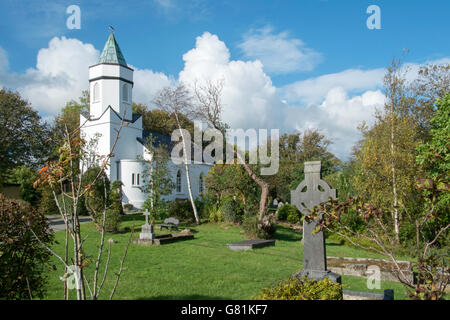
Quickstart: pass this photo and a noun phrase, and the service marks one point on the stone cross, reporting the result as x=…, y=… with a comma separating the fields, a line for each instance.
x=306, y=196
x=147, y=229
x=146, y=214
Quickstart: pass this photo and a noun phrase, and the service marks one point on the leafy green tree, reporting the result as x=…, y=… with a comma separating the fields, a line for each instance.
x=26, y=177
x=161, y=121
x=295, y=149
x=157, y=181
x=69, y=117
x=386, y=155
x=23, y=135
x=434, y=159
x=232, y=180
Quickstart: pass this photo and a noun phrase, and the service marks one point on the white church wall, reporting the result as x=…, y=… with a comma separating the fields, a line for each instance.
x=132, y=192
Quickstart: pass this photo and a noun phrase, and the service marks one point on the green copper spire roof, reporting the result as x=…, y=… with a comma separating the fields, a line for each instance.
x=111, y=52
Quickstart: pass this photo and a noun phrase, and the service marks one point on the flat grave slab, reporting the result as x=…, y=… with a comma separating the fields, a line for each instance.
x=165, y=238
x=250, y=244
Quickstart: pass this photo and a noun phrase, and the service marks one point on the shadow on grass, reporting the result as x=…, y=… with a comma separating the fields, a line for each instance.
x=184, y=297
x=286, y=234
x=133, y=217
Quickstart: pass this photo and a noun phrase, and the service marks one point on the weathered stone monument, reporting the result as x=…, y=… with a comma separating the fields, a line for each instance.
x=309, y=193
x=147, y=229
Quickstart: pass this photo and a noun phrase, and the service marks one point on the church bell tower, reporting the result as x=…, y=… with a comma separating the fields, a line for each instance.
x=111, y=82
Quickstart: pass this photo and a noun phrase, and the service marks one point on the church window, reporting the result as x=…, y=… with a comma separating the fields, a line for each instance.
x=96, y=92
x=200, y=183
x=178, y=181
x=125, y=92
x=135, y=177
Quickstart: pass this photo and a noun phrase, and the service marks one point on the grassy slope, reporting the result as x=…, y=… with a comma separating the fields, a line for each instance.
x=203, y=268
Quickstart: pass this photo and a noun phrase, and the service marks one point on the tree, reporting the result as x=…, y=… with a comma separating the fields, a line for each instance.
x=177, y=101
x=432, y=82
x=25, y=177
x=295, y=149
x=157, y=181
x=23, y=135
x=208, y=107
x=74, y=158
x=161, y=121
x=434, y=160
x=387, y=168
x=23, y=260
x=231, y=179
x=70, y=116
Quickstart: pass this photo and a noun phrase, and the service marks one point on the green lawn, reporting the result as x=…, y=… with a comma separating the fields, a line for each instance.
x=203, y=268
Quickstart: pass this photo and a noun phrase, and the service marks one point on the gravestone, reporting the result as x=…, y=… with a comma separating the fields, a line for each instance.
x=305, y=197
x=250, y=244
x=147, y=229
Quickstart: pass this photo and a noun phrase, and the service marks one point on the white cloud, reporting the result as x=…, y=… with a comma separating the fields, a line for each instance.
x=279, y=53
x=338, y=116
x=315, y=90
x=147, y=84
x=61, y=73
x=249, y=98
x=334, y=103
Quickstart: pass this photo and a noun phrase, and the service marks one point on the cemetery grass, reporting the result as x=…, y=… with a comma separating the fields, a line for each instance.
x=202, y=268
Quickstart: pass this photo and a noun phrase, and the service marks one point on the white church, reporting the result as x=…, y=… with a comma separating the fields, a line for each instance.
x=111, y=93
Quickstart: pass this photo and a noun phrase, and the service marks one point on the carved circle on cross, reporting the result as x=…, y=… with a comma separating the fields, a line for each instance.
x=305, y=200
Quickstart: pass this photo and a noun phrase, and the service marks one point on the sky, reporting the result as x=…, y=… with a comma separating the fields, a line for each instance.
x=289, y=65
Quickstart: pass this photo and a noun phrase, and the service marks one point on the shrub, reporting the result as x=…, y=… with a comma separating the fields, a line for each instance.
x=115, y=196
x=231, y=211
x=289, y=212
x=128, y=206
x=25, y=177
x=293, y=217
x=255, y=229
x=215, y=215
x=47, y=204
x=158, y=212
x=180, y=209
x=95, y=197
x=112, y=223
x=23, y=259
x=294, y=289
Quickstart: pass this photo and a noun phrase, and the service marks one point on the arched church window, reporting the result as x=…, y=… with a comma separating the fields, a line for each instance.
x=178, y=181
x=125, y=92
x=200, y=183
x=96, y=94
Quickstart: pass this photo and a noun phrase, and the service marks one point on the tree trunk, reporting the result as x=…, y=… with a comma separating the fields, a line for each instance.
x=194, y=208
x=394, y=178
x=264, y=186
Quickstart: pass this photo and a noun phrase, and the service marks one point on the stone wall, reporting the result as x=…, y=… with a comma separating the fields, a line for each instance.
x=359, y=267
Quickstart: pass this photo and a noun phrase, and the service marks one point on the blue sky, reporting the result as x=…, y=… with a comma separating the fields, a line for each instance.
x=315, y=56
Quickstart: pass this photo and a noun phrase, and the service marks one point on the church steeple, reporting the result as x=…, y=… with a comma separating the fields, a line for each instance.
x=112, y=53
x=111, y=82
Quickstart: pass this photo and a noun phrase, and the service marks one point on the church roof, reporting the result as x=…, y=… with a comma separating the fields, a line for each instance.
x=158, y=139
x=111, y=52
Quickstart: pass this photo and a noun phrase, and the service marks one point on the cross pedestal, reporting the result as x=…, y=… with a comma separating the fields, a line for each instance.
x=147, y=232
x=305, y=197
